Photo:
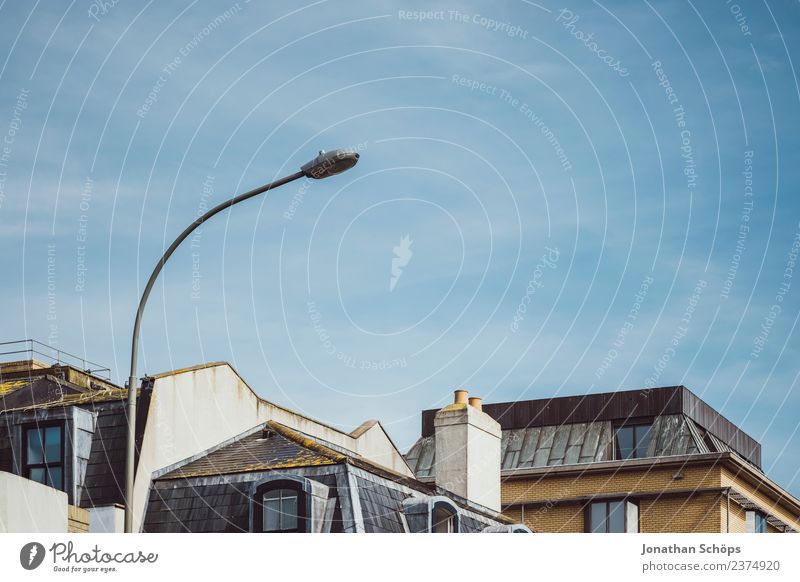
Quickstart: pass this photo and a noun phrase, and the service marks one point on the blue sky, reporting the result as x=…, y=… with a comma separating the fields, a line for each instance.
x=596, y=196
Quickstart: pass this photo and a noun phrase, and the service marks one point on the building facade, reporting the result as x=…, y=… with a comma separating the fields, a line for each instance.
x=658, y=460
x=213, y=456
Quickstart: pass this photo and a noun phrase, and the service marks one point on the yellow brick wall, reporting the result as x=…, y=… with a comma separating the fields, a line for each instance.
x=78, y=520
x=697, y=514
x=701, y=513
x=582, y=484
x=707, y=512
x=759, y=497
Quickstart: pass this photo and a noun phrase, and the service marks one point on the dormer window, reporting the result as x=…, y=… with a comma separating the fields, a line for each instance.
x=444, y=517
x=43, y=450
x=632, y=441
x=280, y=508
x=444, y=520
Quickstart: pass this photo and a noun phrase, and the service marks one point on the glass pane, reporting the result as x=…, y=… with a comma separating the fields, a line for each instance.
x=761, y=523
x=642, y=440
x=52, y=444
x=598, y=524
x=442, y=521
x=274, y=494
x=289, y=512
x=616, y=517
x=55, y=478
x=37, y=475
x=625, y=442
x=272, y=514
x=35, y=446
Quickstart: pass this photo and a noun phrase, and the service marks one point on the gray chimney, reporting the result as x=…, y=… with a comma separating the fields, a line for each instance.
x=468, y=451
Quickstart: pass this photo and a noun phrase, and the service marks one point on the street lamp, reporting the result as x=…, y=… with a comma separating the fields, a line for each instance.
x=324, y=165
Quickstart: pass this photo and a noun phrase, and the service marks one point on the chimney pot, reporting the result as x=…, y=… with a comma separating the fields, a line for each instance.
x=461, y=397
x=476, y=402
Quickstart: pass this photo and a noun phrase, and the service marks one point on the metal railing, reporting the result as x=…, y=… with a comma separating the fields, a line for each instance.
x=31, y=349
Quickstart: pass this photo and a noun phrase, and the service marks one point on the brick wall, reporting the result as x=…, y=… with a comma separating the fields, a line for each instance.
x=679, y=513
x=77, y=520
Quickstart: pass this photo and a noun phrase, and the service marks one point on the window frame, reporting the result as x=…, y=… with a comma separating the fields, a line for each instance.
x=632, y=425
x=759, y=517
x=451, y=509
x=587, y=514
x=47, y=466
x=275, y=485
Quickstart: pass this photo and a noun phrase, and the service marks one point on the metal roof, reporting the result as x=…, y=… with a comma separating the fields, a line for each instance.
x=570, y=444
x=617, y=407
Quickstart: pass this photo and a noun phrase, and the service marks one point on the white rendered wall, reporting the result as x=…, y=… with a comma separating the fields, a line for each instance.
x=30, y=507
x=194, y=410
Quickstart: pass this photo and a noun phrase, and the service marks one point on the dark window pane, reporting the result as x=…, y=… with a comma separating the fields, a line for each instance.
x=52, y=444
x=274, y=494
x=443, y=521
x=625, y=444
x=37, y=475
x=642, y=434
x=616, y=517
x=55, y=479
x=280, y=510
x=35, y=447
x=289, y=512
x=761, y=523
x=598, y=516
x=272, y=515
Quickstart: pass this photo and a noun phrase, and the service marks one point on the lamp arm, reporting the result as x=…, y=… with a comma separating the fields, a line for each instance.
x=132, y=381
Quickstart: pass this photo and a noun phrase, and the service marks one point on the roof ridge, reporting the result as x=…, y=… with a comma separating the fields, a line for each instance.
x=305, y=441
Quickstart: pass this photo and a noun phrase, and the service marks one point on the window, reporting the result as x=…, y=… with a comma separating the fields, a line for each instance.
x=43, y=449
x=444, y=520
x=755, y=522
x=633, y=440
x=280, y=510
x=280, y=506
x=612, y=516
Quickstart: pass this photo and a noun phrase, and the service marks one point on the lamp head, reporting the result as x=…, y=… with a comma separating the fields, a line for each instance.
x=330, y=163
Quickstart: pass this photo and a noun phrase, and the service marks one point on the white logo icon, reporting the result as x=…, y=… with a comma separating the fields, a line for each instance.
x=402, y=255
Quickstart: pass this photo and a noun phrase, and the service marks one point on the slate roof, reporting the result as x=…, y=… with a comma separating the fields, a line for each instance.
x=37, y=387
x=212, y=492
x=571, y=444
x=275, y=447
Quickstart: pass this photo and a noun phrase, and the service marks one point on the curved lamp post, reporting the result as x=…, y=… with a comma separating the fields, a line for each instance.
x=324, y=165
